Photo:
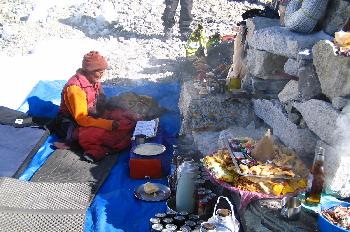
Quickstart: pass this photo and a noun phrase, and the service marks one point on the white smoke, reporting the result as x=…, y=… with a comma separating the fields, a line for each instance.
x=340, y=183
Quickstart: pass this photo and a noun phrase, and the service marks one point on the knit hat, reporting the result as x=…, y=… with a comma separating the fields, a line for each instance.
x=94, y=61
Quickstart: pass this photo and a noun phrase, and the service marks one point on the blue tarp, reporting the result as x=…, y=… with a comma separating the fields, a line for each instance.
x=114, y=208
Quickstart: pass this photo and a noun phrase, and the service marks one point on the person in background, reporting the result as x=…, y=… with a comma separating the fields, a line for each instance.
x=98, y=132
x=184, y=21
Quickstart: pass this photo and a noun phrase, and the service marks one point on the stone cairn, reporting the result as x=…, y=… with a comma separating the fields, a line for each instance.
x=306, y=89
x=312, y=84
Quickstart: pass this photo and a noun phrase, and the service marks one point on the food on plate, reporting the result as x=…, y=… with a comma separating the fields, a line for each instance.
x=264, y=187
x=222, y=168
x=267, y=170
x=150, y=188
x=339, y=215
x=149, y=149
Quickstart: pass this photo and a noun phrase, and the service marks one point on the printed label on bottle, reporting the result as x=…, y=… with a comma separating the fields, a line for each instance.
x=310, y=179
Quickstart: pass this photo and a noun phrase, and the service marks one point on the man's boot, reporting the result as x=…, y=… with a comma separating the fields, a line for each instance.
x=185, y=35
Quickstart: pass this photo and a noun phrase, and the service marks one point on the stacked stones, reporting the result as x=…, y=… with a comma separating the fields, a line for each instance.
x=313, y=107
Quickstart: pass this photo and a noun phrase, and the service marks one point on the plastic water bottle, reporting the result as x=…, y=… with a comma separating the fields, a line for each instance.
x=185, y=190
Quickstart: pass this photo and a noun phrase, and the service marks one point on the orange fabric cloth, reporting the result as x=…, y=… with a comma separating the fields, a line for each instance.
x=75, y=100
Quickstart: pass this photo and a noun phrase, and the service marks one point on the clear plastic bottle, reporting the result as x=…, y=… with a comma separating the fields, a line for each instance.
x=316, y=179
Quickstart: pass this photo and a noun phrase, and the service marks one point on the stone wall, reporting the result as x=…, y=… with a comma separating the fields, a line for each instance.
x=309, y=109
x=212, y=112
x=298, y=87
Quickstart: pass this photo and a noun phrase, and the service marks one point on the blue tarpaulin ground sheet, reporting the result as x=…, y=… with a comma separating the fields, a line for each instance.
x=114, y=208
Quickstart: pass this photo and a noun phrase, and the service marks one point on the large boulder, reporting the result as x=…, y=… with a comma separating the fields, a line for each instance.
x=309, y=85
x=303, y=141
x=291, y=67
x=339, y=103
x=258, y=23
x=320, y=117
x=333, y=71
x=281, y=41
x=211, y=112
x=337, y=16
x=289, y=92
x=264, y=64
x=272, y=86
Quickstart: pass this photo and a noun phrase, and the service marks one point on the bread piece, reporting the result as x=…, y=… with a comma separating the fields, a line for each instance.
x=150, y=188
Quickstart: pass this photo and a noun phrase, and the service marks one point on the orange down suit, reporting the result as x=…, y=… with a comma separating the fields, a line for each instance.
x=95, y=135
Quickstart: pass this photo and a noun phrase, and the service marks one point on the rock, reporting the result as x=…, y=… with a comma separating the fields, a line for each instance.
x=291, y=67
x=257, y=23
x=309, y=86
x=333, y=71
x=289, y=92
x=235, y=132
x=281, y=41
x=303, y=141
x=336, y=17
x=294, y=118
x=320, y=117
x=247, y=83
x=288, y=107
x=302, y=124
x=212, y=112
x=337, y=172
x=340, y=102
x=206, y=141
x=264, y=64
x=268, y=86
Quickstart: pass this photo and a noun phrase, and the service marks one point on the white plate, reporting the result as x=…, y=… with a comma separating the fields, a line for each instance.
x=162, y=194
x=149, y=149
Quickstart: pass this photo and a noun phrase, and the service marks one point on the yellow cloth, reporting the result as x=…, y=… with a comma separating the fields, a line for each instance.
x=342, y=39
x=75, y=100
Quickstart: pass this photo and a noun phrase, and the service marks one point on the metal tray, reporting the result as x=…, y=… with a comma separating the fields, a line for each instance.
x=162, y=194
x=141, y=149
x=238, y=170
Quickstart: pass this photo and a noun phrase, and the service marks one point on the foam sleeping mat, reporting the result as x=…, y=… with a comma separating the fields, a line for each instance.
x=66, y=166
x=19, y=142
x=34, y=206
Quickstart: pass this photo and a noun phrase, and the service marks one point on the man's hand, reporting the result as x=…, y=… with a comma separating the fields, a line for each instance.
x=115, y=125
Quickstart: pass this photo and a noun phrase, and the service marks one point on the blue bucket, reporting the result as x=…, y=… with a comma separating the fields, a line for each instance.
x=327, y=226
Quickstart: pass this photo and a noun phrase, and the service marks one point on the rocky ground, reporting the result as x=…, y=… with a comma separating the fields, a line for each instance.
x=130, y=32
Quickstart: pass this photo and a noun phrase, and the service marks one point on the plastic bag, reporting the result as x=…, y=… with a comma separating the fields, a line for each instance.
x=263, y=149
